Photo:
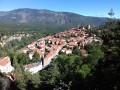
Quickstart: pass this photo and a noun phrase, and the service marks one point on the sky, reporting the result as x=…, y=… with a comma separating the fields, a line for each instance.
x=98, y=8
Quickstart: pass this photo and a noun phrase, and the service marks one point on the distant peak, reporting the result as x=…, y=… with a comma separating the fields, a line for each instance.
x=23, y=9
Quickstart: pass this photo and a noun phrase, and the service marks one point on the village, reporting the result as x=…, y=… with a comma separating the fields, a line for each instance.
x=49, y=48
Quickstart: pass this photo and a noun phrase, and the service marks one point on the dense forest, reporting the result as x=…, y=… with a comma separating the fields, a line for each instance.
x=98, y=71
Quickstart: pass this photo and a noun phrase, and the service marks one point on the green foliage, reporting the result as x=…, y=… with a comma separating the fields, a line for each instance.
x=64, y=70
x=13, y=58
x=106, y=73
x=36, y=56
x=111, y=13
x=19, y=78
x=23, y=58
x=94, y=53
x=2, y=53
x=84, y=70
x=76, y=50
x=26, y=80
x=32, y=81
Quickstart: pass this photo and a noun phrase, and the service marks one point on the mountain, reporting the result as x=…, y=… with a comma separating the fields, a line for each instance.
x=45, y=18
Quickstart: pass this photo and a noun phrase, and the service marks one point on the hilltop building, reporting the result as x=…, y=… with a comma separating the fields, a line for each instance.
x=5, y=65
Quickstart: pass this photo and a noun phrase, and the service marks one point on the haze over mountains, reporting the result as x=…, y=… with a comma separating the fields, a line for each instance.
x=47, y=17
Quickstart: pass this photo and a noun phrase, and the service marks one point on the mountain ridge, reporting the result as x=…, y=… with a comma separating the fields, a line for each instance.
x=47, y=17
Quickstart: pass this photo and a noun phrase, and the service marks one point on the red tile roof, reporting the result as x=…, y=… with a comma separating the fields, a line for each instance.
x=72, y=43
x=50, y=54
x=41, y=52
x=83, y=51
x=4, y=61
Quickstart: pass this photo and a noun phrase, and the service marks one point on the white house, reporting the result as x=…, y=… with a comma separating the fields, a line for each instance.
x=33, y=67
x=50, y=56
x=31, y=55
x=68, y=51
x=5, y=65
